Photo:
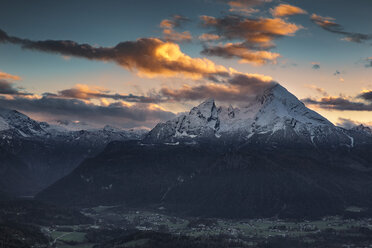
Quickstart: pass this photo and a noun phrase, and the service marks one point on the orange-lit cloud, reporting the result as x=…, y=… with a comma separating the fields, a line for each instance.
x=238, y=88
x=4, y=75
x=257, y=37
x=148, y=56
x=172, y=35
x=246, y=3
x=209, y=37
x=283, y=10
x=259, y=31
x=245, y=54
x=245, y=6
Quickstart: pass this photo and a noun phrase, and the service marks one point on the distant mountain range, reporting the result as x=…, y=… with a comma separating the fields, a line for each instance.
x=272, y=157
x=35, y=154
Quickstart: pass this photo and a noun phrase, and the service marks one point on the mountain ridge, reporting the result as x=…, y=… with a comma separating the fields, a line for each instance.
x=276, y=114
x=257, y=161
x=36, y=154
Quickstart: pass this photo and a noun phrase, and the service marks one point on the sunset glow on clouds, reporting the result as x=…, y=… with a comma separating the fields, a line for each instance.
x=231, y=52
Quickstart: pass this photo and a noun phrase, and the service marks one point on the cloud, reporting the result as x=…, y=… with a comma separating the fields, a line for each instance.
x=239, y=88
x=338, y=74
x=170, y=34
x=260, y=31
x=239, y=50
x=316, y=66
x=321, y=91
x=366, y=95
x=209, y=37
x=4, y=75
x=348, y=123
x=118, y=113
x=246, y=3
x=85, y=92
x=338, y=103
x=369, y=62
x=256, y=37
x=329, y=24
x=283, y=10
x=175, y=21
x=7, y=88
x=245, y=6
x=148, y=56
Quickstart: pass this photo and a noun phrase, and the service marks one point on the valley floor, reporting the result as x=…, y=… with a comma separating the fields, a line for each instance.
x=112, y=222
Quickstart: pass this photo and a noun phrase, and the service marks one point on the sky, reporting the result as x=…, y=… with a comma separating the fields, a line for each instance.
x=132, y=64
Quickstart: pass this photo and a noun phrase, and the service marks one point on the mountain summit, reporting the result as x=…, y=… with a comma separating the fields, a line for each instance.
x=274, y=115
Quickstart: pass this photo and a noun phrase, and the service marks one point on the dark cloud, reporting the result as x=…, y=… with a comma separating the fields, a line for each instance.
x=239, y=88
x=316, y=66
x=366, y=95
x=116, y=113
x=329, y=24
x=175, y=21
x=338, y=103
x=369, y=62
x=148, y=56
x=348, y=124
x=86, y=92
x=7, y=88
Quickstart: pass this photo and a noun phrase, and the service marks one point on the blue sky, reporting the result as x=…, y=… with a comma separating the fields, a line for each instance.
x=107, y=23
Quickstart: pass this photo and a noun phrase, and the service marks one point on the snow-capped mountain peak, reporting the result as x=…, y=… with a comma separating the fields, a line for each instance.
x=274, y=115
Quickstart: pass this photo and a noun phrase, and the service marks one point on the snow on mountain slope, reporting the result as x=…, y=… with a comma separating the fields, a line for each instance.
x=3, y=124
x=275, y=115
x=14, y=123
x=20, y=122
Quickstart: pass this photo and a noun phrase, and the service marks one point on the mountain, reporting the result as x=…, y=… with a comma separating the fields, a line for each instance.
x=272, y=157
x=35, y=154
x=276, y=116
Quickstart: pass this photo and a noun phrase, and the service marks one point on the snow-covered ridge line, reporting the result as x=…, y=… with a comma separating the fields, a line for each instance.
x=275, y=116
x=12, y=121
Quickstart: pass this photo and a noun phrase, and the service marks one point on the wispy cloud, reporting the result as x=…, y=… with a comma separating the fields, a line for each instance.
x=4, y=75
x=329, y=24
